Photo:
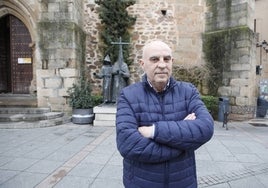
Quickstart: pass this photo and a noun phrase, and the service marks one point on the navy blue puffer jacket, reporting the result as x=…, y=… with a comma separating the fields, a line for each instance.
x=167, y=160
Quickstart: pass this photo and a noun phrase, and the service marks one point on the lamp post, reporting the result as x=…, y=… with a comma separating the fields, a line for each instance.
x=263, y=45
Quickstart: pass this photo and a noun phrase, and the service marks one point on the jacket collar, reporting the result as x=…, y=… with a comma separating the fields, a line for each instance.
x=147, y=83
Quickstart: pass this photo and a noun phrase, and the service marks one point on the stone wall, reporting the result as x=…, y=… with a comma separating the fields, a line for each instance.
x=233, y=20
x=180, y=27
x=62, y=51
x=59, y=29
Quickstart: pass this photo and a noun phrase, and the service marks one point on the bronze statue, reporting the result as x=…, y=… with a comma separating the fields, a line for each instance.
x=120, y=72
x=114, y=77
x=106, y=75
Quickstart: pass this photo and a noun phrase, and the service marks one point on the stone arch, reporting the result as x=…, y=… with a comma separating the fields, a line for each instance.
x=24, y=13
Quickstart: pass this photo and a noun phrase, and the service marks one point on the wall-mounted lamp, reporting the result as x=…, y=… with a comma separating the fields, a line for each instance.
x=164, y=12
x=258, y=69
x=263, y=44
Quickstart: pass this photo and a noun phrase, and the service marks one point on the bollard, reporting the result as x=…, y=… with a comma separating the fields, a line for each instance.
x=262, y=106
x=225, y=120
x=223, y=107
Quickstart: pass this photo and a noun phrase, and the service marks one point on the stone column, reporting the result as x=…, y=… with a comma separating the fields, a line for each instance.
x=62, y=46
x=230, y=40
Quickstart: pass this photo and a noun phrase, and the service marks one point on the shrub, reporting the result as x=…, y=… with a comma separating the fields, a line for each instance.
x=80, y=95
x=211, y=103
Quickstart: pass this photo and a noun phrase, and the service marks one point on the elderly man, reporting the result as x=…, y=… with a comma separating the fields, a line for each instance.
x=160, y=122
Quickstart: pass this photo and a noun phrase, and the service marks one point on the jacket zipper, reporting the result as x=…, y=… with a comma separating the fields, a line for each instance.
x=166, y=170
x=166, y=175
x=161, y=99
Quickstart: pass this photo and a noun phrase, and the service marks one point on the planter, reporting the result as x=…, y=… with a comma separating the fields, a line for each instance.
x=83, y=116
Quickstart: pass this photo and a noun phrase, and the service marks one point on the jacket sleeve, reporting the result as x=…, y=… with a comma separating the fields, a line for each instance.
x=131, y=144
x=187, y=134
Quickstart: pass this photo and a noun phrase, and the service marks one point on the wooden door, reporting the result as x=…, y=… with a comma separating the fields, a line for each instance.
x=15, y=56
x=5, y=84
x=21, y=56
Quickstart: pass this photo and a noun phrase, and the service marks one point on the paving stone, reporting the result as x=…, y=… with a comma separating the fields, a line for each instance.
x=5, y=175
x=111, y=172
x=44, y=166
x=19, y=164
x=111, y=183
x=60, y=155
x=249, y=182
x=86, y=170
x=85, y=156
x=5, y=159
x=97, y=158
x=23, y=180
x=74, y=181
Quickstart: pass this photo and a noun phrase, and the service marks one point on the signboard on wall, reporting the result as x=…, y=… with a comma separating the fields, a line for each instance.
x=263, y=88
x=24, y=60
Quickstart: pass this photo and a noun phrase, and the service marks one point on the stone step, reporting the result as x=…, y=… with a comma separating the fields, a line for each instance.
x=105, y=109
x=18, y=100
x=30, y=117
x=104, y=115
x=36, y=124
x=12, y=117
x=258, y=122
x=104, y=123
x=22, y=110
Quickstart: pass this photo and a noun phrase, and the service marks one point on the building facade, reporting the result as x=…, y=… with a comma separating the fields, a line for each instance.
x=61, y=35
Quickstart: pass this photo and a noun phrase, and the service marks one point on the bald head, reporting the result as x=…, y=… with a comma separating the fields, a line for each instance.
x=153, y=45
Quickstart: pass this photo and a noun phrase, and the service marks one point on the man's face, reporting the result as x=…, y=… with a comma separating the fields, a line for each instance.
x=157, y=63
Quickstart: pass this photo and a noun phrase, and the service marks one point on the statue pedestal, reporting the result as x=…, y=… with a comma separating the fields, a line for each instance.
x=104, y=115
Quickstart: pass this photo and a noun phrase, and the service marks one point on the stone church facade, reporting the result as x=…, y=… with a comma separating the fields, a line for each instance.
x=64, y=35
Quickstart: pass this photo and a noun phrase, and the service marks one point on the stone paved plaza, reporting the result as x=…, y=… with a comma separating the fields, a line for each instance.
x=72, y=156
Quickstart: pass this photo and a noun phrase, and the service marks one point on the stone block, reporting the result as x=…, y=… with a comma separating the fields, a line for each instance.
x=225, y=90
x=45, y=92
x=57, y=107
x=68, y=72
x=244, y=59
x=242, y=101
x=243, y=50
x=239, y=82
x=54, y=82
x=68, y=82
x=63, y=92
x=40, y=82
x=104, y=123
x=105, y=109
x=45, y=73
x=104, y=115
x=67, y=52
x=57, y=100
x=43, y=102
x=53, y=7
x=235, y=91
x=243, y=44
x=240, y=67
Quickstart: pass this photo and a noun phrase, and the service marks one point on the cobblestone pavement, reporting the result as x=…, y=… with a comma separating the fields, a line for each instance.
x=72, y=156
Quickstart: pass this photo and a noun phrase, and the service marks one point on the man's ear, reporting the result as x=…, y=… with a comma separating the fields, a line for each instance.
x=141, y=62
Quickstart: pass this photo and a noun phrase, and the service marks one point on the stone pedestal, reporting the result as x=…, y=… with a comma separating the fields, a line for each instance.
x=104, y=115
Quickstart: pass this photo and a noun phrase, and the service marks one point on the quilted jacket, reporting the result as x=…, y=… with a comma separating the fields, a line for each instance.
x=167, y=160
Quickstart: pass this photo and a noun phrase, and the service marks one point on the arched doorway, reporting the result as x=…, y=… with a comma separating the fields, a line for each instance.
x=16, y=71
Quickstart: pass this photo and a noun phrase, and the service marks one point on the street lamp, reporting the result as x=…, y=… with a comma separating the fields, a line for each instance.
x=262, y=44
